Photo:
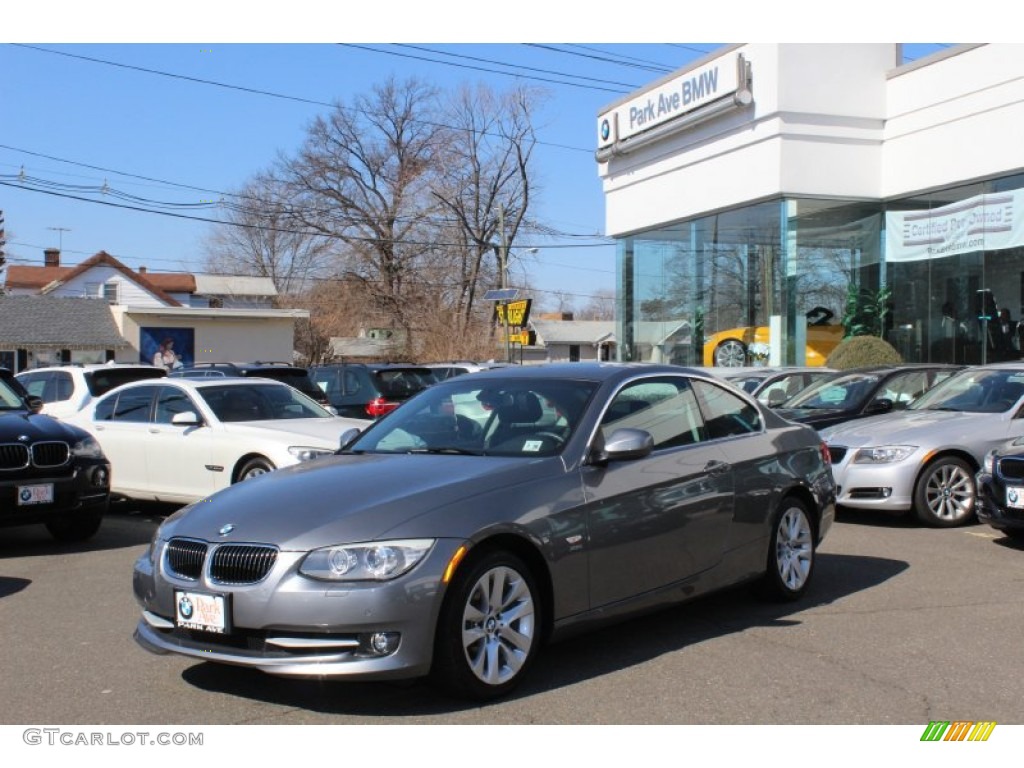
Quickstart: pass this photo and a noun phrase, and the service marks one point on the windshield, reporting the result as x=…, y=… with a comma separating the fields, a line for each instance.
x=840, y=392
x=514, y=417
x=975, y=391
x=260, y=402
x=10, y=400
x=103, y=380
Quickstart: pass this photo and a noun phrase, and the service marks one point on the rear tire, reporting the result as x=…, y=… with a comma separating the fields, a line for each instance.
x=489, y=628
x=791, y=553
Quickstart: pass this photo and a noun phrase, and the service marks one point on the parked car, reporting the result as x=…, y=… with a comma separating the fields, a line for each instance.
x=861, y=392
x=730, y=348
x=180, y=440
x=50, y=472
x=284, y=372
x=370, y=390
x=432, y=544
x=773, y=386
x=1001, y=490
x=924, y=459
x=67, y=389
x=444, y=371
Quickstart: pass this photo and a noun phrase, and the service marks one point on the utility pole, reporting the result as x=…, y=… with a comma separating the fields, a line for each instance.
x=503, y=279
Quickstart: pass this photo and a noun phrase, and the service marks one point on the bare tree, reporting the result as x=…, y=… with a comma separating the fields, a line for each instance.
x=600, y=306
x=485, y=185
x=260, y=237
x=363, y=176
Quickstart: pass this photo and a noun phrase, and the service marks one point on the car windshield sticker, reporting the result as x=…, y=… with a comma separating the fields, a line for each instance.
x=530, y=446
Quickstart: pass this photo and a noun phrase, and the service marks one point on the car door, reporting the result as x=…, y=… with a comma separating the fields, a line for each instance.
x=657, y=520
x=178, y=455
x=121, y=423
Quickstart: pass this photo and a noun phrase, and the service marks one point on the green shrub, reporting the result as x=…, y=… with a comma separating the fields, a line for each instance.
x=862, y=350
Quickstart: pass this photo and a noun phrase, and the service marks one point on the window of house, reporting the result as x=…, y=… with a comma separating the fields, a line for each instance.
x=110, y=292
x=574, y=353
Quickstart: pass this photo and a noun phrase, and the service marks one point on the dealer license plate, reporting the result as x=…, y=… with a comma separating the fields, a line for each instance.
x=202, y=611
x=35, y=494
x=1015, y=496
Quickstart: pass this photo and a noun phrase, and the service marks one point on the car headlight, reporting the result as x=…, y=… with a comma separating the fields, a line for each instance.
x=990, y=460
x=308, y=452
x=370, y=561
x=885, y=454
x=87, y=448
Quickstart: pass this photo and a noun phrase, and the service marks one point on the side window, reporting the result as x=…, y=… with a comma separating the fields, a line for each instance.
x=105, y=409
x=350, y=382
x=133, y=405
x=171, y=401
x=63, y=385
x=35, y=383
x=725, y=414
x=905, y=387
x=664, y=407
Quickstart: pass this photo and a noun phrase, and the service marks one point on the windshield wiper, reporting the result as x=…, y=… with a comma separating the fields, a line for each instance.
x=448, y=449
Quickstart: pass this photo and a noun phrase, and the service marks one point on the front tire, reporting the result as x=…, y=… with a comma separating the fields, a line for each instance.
x=946, y=493
x=254, y=468
x=791, y=553
x=489, y=629
x=731, y=353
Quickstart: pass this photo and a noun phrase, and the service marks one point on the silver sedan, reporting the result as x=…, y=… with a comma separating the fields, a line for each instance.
x=486, y=515
x=925, y=458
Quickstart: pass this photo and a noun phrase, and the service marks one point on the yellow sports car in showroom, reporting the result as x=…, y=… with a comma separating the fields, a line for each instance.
x=731, y=348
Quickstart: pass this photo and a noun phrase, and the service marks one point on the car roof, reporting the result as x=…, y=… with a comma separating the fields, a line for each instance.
x=592, y=371
x=203, y=383
x=90, y=367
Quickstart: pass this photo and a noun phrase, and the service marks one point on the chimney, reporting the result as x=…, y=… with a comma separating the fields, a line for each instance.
x=142, y=270
x=51, y=257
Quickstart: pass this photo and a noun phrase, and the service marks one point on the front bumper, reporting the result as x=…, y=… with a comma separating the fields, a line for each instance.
x=291, y=625
x=81, y=489
x=992, y=507
x=883, y=487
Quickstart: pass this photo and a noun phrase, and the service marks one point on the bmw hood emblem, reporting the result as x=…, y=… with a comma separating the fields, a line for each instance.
x=226, y=529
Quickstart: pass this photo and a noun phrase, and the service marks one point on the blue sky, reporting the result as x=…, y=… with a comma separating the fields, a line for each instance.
x=66, y=111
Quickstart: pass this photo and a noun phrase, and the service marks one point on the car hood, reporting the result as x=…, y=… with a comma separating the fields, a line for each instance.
x=924, y=428
x=320, y=432
x=37, y=427
x=352, y=498
x=813, y=415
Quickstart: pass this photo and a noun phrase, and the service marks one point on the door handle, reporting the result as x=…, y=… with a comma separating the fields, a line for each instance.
x=715, y=468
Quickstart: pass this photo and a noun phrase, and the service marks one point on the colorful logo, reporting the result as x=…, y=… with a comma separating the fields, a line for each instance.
x=185, y=608
x=958, y=730
x=606, y=129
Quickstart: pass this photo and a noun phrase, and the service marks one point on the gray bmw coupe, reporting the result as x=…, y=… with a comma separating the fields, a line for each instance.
x=486, y=515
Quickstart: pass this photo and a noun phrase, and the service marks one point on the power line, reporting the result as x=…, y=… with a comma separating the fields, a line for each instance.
x=243, y=225
x=273, y=94
x=482, y=69
x=605, y=57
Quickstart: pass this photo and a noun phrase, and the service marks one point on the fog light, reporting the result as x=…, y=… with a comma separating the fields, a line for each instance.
x=99, y=478
x=384, y=643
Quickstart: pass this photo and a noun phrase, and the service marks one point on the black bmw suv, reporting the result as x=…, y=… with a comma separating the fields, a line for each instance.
x=50, y=472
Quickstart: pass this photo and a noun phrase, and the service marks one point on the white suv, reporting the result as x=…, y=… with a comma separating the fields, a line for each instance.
x=67, y=389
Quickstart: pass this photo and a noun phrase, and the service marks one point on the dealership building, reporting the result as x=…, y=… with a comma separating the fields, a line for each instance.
x=767, y=183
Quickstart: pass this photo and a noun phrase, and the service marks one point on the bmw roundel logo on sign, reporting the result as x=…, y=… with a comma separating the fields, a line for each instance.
x=26, y=494
x=185, y=608
x=1011, y=496
x=606, y=129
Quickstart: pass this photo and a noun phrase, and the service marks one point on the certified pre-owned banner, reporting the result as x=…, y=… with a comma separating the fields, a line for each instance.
x=982, y=223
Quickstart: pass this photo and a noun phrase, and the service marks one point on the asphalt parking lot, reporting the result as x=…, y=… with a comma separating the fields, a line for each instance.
x=903, y=625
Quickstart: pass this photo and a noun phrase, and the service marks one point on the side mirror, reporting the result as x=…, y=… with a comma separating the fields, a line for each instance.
x=347, y=437
x=881, y=405
x=34, y=403
x=186, y=419
x=624, y=445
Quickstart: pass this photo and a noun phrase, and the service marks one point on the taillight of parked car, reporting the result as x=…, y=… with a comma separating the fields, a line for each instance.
x=379, y=406
x=825, y=454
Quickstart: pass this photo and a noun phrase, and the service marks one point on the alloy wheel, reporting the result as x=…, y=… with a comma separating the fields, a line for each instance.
x=498, y=625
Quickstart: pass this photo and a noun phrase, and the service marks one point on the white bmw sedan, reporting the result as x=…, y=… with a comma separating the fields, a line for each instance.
x=180, y=440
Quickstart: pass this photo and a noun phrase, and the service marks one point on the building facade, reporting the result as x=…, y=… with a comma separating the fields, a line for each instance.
x=770, y=183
